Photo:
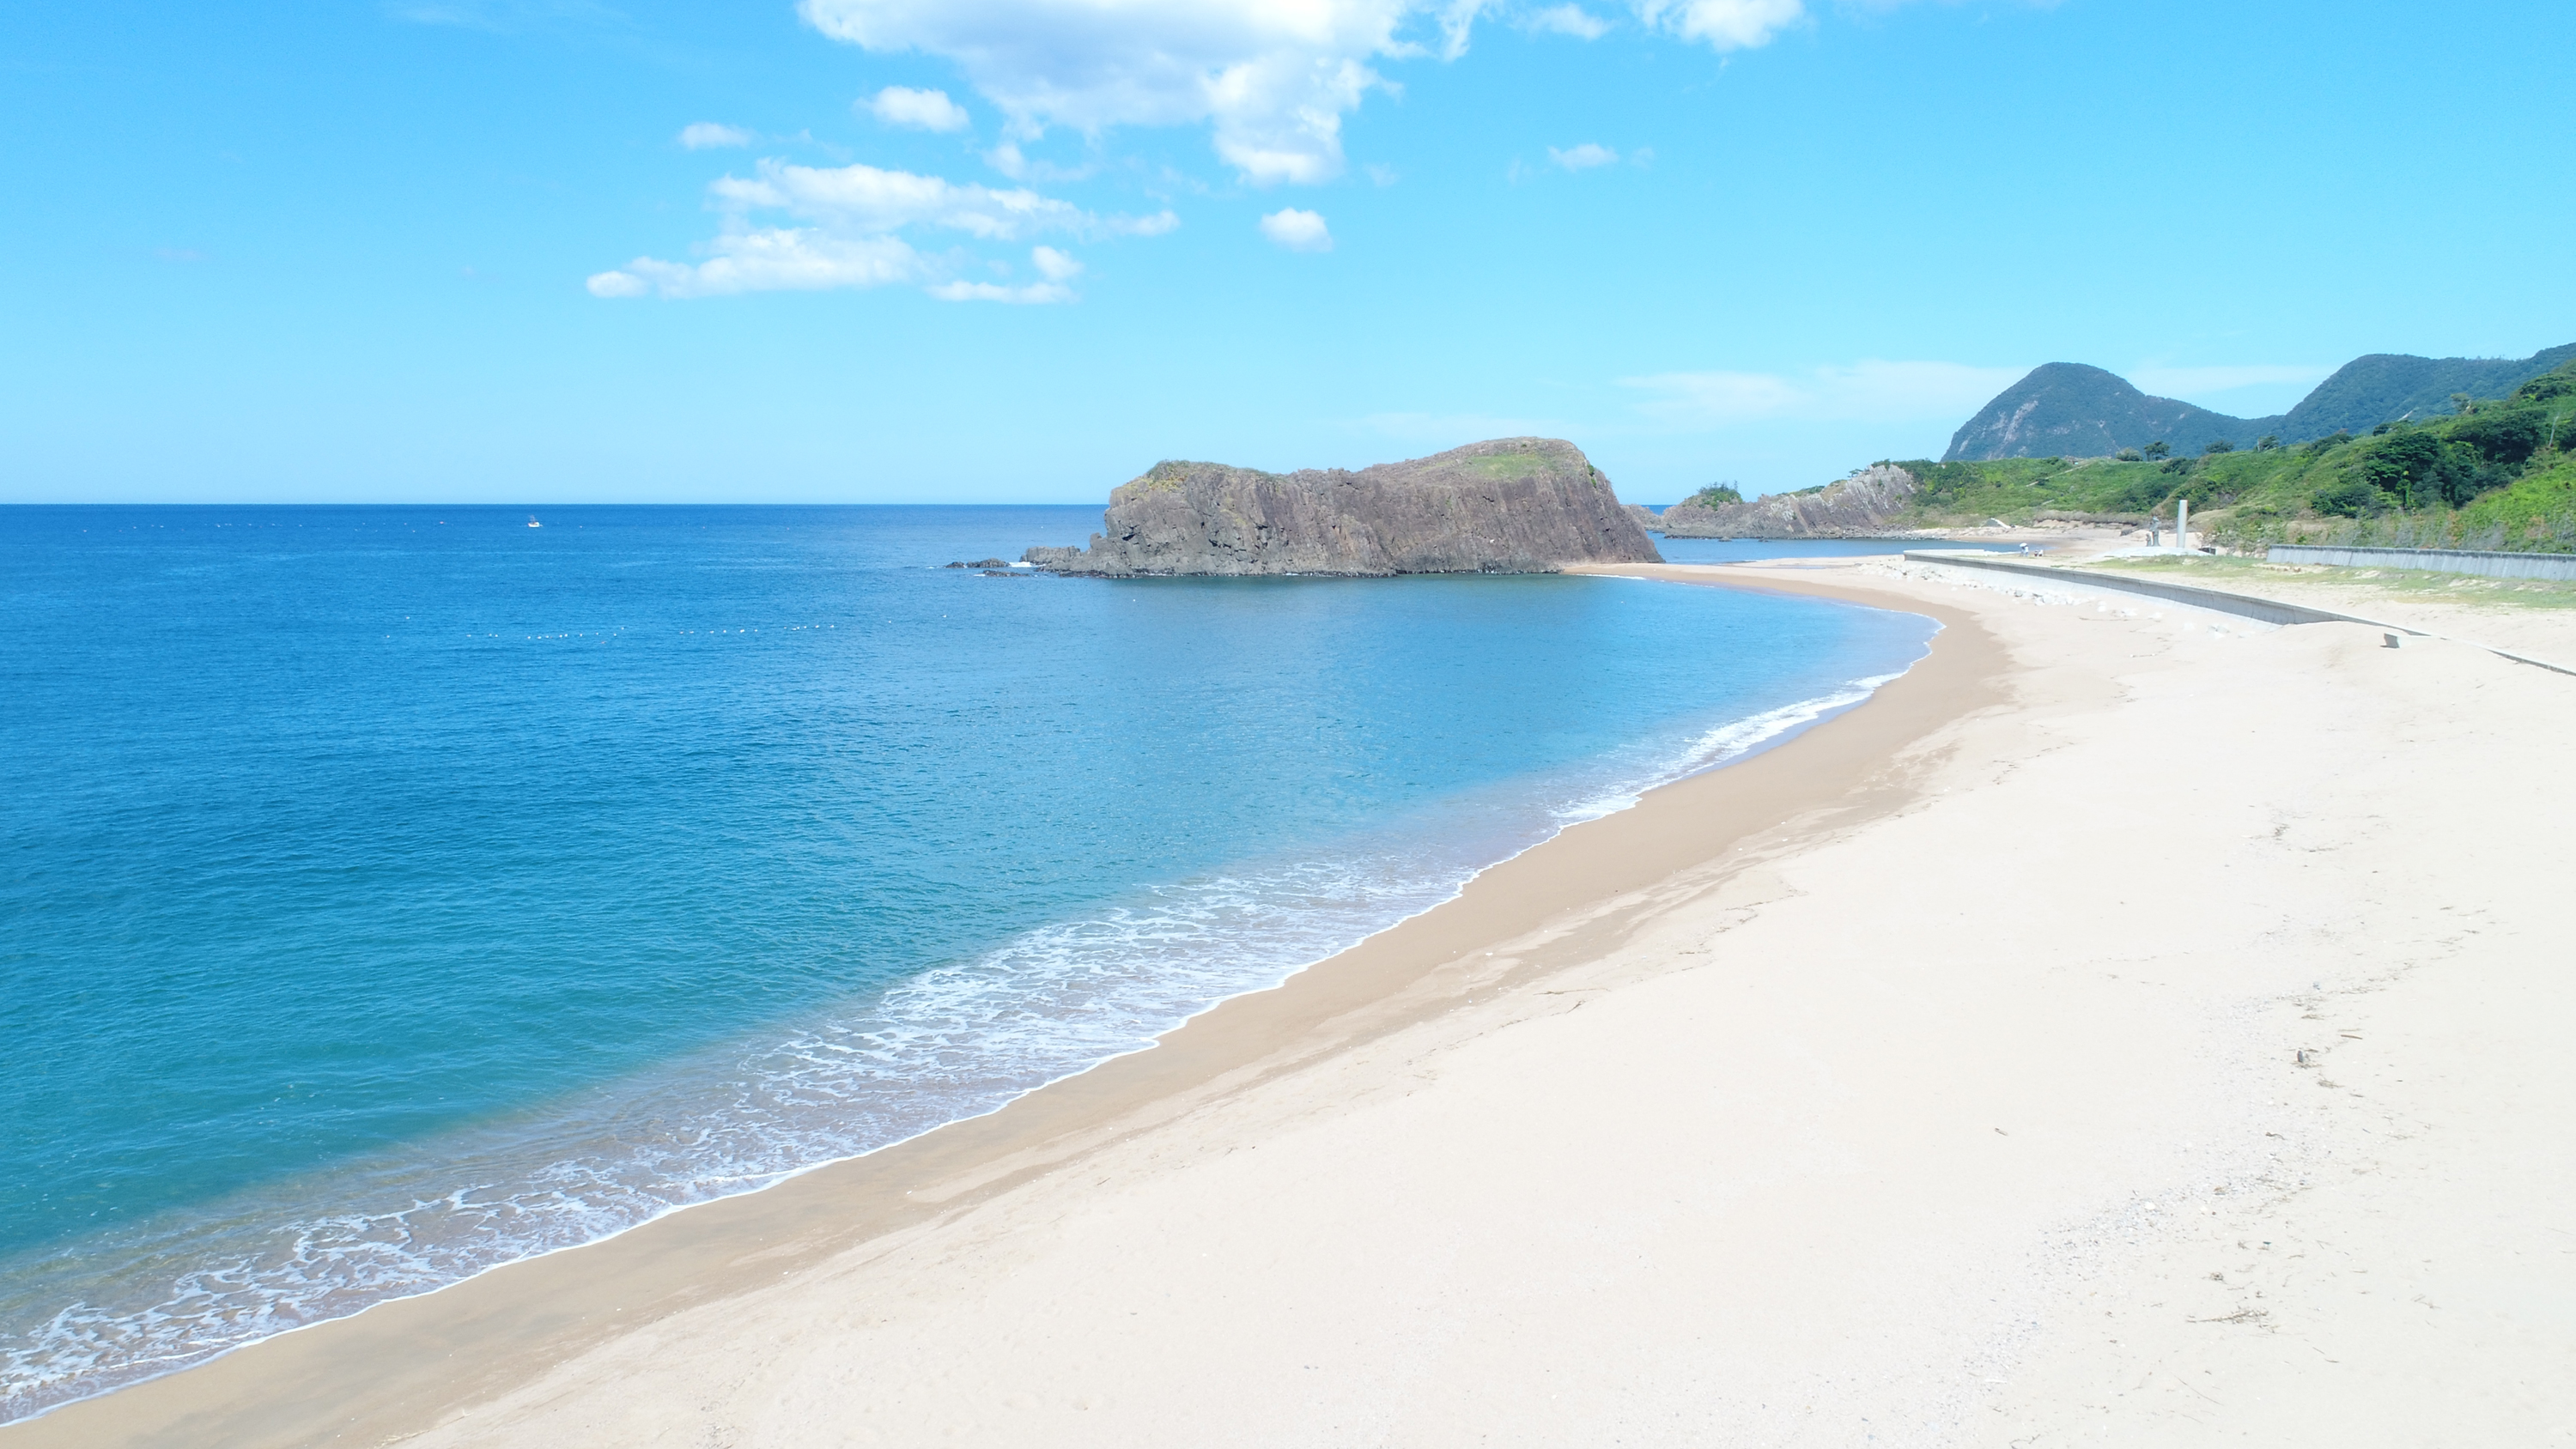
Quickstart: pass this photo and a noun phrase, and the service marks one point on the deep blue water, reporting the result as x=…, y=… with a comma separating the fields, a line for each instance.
x=395, y=891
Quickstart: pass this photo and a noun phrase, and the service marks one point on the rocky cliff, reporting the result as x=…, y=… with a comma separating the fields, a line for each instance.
x=1514, y=505
x=1863, y=505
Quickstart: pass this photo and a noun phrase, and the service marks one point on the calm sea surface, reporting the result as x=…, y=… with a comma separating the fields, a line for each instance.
x=394, y=892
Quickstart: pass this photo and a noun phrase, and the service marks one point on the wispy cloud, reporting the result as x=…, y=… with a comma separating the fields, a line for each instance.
x=1008, y=159
x=1298, y=231
x=770, y=260
x=921, y=110
x=852, y=219
x=1583, y=157
x=1873, y=391
x=1721, y=24
x=1571, y=20
x=1054, y=265
x=708, y=135
x=1032, y=293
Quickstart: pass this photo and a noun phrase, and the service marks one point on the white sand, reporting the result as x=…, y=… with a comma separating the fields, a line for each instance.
x=1964, y=1128
x=1977, y=1122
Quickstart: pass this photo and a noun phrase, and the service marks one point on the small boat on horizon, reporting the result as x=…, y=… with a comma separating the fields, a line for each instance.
x=532, y=521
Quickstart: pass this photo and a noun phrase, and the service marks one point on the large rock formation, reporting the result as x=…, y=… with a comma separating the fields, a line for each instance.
x=1512, y=506
x=1863, y=505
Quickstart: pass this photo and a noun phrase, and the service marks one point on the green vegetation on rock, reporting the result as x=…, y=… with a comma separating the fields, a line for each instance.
x=1507, y=466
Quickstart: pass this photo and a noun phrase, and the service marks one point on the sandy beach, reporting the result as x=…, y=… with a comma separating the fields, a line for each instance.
x=2133, y=1026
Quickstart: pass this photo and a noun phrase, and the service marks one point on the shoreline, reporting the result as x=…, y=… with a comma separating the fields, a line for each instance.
x=503, y=1325
x=2147, y=1031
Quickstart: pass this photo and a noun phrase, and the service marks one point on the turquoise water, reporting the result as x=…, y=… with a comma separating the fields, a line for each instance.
x=395, y=892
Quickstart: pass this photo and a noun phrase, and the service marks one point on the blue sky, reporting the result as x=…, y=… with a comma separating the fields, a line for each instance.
x=1017, y=250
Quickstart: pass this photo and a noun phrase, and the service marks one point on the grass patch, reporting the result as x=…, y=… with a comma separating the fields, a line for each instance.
x=1507, y=466
x=2251, y=575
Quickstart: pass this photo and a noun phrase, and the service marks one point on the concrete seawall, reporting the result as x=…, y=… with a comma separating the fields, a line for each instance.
x=2438, y=560
x=2269, y=611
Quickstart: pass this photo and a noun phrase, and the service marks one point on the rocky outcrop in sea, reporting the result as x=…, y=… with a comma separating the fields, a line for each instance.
x=1863, y=505
x=1509, y=506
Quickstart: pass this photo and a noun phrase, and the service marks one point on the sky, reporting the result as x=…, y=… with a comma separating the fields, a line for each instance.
x=896, y=251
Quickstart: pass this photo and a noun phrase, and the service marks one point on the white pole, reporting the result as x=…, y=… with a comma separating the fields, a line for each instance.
x=2182, y=523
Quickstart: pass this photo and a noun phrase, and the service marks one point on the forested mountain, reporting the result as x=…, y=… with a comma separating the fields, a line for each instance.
x=2069, y=410
x=2499, y=473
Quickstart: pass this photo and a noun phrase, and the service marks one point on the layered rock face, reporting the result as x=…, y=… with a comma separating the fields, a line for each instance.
x=1513, y=506
x=1859, y=506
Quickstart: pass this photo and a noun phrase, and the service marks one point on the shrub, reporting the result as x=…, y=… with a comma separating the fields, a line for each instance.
x=2504, y=436
x=2158, y=448
x=2349, y=497
x=2548, y=385
x=2218, y=445
x=2398, y=464
x=2128, y=455
x=2267, y=442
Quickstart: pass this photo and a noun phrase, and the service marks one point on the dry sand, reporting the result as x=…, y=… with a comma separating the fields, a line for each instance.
x=2134, y=1026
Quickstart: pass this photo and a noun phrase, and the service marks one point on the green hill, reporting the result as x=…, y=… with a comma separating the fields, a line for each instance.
x=2500, y=475
x=2066, y=409
x=2382, y=387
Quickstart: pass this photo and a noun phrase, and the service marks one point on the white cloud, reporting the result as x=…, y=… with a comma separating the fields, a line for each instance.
x=1722, y=24
x=1007, y=159
x=1298, y=231
x=1571, y=20
x=1583, y=157
x=923, y=110
x=705, y=135
x=851, y=215
x=1054, y=265
x=771, y=260
x=1872, y=391
x=867, y=198
x=1159, y=224
x=1035, y=292
x=2187, y=381
x=1272, y=78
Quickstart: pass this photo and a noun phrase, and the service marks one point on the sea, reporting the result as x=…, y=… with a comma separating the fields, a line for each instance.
x=395, y=892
